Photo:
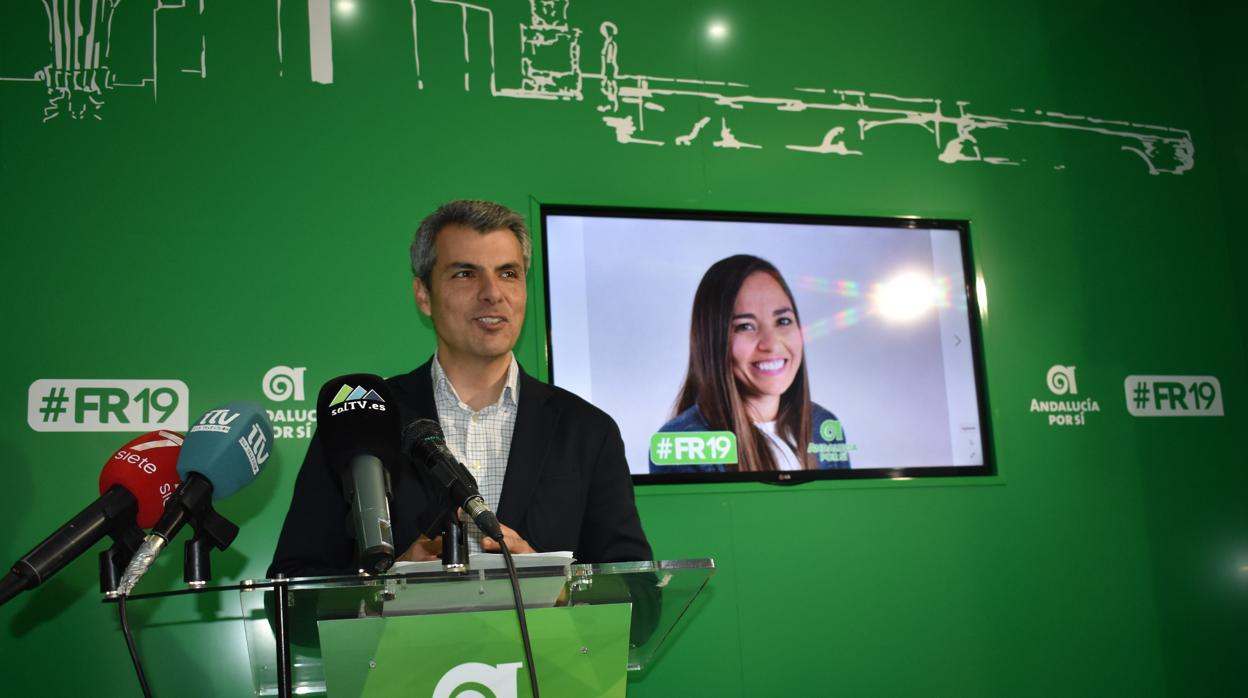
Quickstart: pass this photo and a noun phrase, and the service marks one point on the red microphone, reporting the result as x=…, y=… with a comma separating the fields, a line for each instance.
x=134, y=484
x=148, y=468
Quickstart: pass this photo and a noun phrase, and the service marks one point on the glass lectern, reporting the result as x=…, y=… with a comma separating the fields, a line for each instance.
x=429, y=633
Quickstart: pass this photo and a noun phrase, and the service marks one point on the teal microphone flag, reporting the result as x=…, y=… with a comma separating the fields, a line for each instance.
x=229, y=446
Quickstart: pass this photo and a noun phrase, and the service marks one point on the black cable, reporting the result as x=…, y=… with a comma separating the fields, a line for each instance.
x=524, y=626
x=134, y=652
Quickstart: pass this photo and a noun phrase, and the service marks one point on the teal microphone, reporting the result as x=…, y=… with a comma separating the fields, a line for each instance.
x=228, y=446
x=222, y=453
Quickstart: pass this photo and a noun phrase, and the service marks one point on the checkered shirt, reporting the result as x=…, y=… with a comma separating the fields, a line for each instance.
x=481, y=440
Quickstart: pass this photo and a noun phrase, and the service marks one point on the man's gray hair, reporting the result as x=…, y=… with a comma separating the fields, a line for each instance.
x=481, y=216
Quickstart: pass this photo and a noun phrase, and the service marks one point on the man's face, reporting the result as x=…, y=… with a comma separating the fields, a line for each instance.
x=476, y=295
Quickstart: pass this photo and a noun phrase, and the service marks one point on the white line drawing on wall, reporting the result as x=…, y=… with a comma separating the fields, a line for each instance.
x=965, y=147
x=77, y=75
x=548, y=52
x=80, y=70
x=320, y=41
x=624, y=130
x=550, y=69
x=281, y=59
x=727, y=140
x=551, y=50
x=687, y=139
x=610, y=78
x=829, y=144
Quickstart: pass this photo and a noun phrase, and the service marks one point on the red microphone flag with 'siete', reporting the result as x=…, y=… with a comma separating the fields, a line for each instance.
x=148, y=468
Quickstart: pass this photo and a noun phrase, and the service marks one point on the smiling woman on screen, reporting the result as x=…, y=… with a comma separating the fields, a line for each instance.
x=746, y=375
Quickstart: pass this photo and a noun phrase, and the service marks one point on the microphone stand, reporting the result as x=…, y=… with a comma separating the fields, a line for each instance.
x=454, y=543
x=196, y=563
x=211, y=530
x=113, y=561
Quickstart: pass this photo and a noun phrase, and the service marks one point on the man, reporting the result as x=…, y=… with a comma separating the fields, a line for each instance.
x=550, y=464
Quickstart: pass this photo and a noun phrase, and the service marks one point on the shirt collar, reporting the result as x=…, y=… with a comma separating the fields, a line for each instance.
x=511, y=389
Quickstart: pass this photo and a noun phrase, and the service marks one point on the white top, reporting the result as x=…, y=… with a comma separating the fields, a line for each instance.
x=786, y=459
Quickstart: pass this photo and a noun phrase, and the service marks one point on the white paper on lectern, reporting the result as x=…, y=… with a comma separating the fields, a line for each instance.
x=488, y=561
x=444, y=596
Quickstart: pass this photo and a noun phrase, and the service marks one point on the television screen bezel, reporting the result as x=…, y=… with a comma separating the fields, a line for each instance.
x=963, y=227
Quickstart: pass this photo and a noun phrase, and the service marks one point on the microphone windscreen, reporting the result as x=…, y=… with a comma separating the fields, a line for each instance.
x=148, y=468
x=229, y=446
x=421, y=431
x=357, y=415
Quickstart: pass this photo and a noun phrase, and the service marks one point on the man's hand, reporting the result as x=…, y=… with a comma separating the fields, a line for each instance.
x=424, y=549
x=515, y=543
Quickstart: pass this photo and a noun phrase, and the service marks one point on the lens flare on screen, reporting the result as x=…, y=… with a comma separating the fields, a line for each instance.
x=905, y=297
x=819, y=284
x=943, y=299
x=815, y=330
x=815, y=283
x=846, y=318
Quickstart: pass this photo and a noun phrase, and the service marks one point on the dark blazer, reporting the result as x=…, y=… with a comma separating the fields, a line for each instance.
x=567, y=487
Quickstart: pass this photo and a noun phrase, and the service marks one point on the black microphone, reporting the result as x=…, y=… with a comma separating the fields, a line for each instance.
x=133, y=485
x=423, y=441
x=359, y=426
x=113, y=511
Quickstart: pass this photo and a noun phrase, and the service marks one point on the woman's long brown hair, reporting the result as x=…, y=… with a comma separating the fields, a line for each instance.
x=709, y=382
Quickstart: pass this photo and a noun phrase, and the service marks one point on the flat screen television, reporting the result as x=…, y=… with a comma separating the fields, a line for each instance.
x=678, y=324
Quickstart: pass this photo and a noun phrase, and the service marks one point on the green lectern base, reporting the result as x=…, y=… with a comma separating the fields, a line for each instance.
x=579, y=652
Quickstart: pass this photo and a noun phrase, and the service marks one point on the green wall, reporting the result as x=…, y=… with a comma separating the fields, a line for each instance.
x=226, y=214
